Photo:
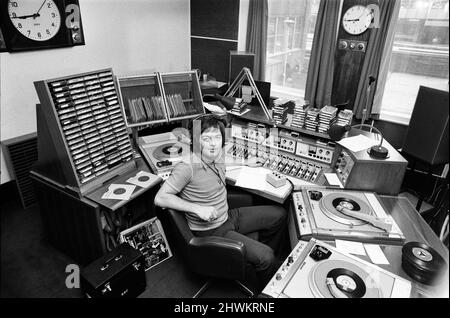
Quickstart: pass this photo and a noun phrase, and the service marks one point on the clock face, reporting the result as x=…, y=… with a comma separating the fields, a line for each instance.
x=357, y=19
x=36, y=20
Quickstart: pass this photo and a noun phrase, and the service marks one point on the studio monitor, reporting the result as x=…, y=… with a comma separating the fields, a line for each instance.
x=427, y=136
x=239, y=60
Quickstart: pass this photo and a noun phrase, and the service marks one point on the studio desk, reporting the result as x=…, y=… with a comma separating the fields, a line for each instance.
x=414, y=229
x=75, y=224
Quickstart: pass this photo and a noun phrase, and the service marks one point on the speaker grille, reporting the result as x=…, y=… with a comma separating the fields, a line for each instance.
x=427, y=136
x=20, y=154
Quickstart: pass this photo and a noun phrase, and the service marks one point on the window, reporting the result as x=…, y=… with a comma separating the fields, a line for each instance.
x=419, y=56
x=289, y=41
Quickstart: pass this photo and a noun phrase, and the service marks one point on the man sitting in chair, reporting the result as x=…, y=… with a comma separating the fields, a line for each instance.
x=198, y=188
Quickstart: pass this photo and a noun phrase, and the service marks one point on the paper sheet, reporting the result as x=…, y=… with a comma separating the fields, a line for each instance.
x=255, y=178
x=350, y=247
x=143, y=179
x=358, y=143
x=333, y=180
x=238, y=114
x=119, y=192
x=214, y=109
x=375, y=253
x=252, y=178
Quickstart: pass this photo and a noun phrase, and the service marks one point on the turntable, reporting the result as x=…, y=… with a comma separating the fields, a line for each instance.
x=162, y=152
x=315, y=269
x=329, y=214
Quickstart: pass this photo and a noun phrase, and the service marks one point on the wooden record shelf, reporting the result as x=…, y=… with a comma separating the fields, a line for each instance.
x=85, y=133
x=141, y=100
x=159, y=97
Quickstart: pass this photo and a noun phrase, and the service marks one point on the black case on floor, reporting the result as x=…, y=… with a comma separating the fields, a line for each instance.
x=119, y=273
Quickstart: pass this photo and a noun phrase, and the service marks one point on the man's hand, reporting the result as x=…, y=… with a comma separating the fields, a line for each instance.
x=206, y=213
x=254, y=162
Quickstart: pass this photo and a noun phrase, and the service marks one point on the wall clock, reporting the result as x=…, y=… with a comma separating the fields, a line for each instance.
x=357, y=19
x=39, y=24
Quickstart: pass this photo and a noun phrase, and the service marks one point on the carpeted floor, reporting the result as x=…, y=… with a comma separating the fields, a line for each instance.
x=31, y=268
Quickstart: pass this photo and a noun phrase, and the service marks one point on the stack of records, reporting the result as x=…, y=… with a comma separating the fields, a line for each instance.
x=344, y=117
x=327, y=117
x=239, y=107
x=312, y=116
x=298, y=118
x=176, y=105
x=144, y=109
x=280, y=114
x=423, y=263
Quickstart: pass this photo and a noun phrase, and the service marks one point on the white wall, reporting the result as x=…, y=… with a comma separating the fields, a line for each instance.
x=131, y=36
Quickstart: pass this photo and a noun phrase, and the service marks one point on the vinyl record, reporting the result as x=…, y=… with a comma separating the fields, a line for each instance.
x=423, y=256
x=348, y=282
x=168, y=151
x=351, y=279
x=330, y=201
x=143, y=178
x=119, y=191
x=419, y=275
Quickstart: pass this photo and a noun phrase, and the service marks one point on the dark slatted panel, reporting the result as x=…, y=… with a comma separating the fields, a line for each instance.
x=22, y=155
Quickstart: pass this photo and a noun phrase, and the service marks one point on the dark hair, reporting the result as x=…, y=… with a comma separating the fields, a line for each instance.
x=209, y=121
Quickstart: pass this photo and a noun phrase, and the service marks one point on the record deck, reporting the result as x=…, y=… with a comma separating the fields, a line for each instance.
x=329, y=213
x=315, y=269
x=163, y=151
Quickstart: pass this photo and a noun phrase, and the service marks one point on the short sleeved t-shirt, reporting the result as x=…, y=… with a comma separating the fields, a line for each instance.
x=202, y=184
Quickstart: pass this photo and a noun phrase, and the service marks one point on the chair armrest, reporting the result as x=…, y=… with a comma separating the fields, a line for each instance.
x=228, y=245
x=218, y=257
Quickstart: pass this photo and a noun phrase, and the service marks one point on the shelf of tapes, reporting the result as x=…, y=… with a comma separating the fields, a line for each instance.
x=182, y=94
x=141, y=100
x=92, y=123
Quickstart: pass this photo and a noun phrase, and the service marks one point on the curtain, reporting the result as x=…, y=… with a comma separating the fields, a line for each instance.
x=256, y=43
x=319, y=82
x=372, y=61
x=385, y=62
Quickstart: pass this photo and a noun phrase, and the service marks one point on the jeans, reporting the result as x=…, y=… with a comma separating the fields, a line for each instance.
x=269, y=221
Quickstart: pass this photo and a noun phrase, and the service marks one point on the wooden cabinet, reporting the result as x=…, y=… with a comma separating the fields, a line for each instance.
x=84, y=147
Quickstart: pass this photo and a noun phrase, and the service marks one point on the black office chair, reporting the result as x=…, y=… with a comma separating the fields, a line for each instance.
x=215, y=257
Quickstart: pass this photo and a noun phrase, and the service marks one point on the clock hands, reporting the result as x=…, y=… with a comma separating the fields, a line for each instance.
x=25, y=16
x=37, y=13
x=34, y=15
x=359, y=18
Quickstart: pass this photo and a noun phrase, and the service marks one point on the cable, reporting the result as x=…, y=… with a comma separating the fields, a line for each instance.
x=432, y=192
x=292, y=184
x=444, y=229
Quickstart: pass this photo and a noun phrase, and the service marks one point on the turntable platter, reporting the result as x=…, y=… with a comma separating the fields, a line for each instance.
x=169, y=151
x=330, y=201
x=351, y=280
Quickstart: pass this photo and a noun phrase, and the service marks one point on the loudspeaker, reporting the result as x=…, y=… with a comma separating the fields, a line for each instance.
x=239, y=60
x=427, y=136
